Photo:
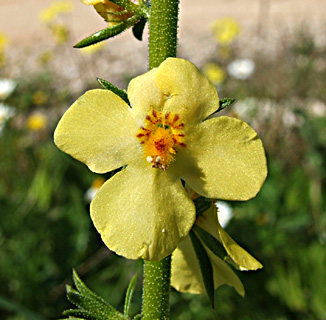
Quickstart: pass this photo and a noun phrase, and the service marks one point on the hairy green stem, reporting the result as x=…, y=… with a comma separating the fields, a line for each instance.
x=156, y=289
x=163, y=28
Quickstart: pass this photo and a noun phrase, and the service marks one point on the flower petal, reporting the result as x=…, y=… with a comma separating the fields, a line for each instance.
x=99, y=130
x=242, y=259
x=224, y=159
x=189, y=93
x=144, y=95
x=142, y=212
x=92, y=2
x=208, y=221
x=186, y=274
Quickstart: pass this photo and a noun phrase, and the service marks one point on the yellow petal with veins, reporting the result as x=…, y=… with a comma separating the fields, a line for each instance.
x=189, y=93
x=186, y=275
x=99, y=130
x=145, y=96
x=242, y=259
x=224, y=159
x=142, y=212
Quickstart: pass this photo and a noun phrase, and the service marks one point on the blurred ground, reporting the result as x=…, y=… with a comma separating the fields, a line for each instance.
x=19, y=19
x=262, y=22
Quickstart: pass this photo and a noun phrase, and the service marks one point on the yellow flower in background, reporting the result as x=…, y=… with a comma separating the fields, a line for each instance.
x=144, y=211
x=186, y=273
x=39, y=97
x=109, y=11
x=60, y=32
x=56, y=8
x=214, y=73
x=45, y=57
x=226, y=30
x=3, y=44
x=3, y=41
x=37, y=121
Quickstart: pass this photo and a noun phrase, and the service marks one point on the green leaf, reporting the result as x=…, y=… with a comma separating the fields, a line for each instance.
x=225, y=102
x=89, y=305
x=108, y=32
x=80, y=285
x=94, y=307
x=205, y=266
x=102, y=35
x=130, y=294
x=211, y=242
x=138, y=29
x=119, y=92
x=202, y=204
x=137, y=317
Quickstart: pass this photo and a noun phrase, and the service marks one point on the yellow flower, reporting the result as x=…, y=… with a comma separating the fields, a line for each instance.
x=56, y=8
x=3, y=44
x=37, y=121
x=3, y=41
x=225, y=30
x=45, y=57
x=60, y=32
x=39, y=97
x=109, y=11
x=214, y=73
x=186, y=273
x=144, y=211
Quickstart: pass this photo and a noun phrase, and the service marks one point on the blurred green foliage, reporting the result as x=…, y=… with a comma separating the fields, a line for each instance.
x=46, y=230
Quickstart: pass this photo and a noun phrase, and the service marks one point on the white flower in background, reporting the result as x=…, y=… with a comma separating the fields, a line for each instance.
x=317, y=108
x=290, y=119
x=225, y=213
x=6, y=112
x=7, y=86
x=241, y=68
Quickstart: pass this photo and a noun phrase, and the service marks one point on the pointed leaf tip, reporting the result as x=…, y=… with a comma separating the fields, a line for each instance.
x=102, y=35
x=225, y=102
x=119, y=92
x=130, y=294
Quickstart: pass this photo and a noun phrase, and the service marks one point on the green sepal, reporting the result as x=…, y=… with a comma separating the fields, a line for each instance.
x=212, y=243
x=137, y=317
x=102, y=35
x=129, y=294
x=202, y=204
x=138, y=29
x=108, y=32
x=225, y=102
x=89, y=305
x=119, y=92
x=205, y=266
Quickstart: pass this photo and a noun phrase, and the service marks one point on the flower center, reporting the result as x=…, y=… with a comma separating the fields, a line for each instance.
x=160, y=137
